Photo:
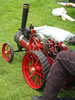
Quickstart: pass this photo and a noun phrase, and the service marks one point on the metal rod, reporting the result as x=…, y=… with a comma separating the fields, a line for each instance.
x=19, y=50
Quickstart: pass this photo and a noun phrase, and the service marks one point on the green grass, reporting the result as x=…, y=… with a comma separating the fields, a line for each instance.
x=12, y=83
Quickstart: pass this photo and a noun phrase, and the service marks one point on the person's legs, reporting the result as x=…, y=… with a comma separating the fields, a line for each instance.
x=58, y=74
x=63, y=65
x=55, y=79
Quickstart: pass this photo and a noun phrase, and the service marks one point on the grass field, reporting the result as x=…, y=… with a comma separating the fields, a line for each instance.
x=12, y=83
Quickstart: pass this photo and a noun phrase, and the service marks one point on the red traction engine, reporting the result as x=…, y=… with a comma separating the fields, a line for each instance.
x=40, y=53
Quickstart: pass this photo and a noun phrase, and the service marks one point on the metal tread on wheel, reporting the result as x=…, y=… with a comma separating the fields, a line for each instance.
x=44, y=62
x=35, y=68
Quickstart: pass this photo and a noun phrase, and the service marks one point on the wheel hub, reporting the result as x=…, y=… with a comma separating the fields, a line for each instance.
x=32, y=69
x=6, y=52
x=38, y=69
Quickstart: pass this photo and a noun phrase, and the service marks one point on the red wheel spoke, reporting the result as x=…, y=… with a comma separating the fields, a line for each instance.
x=32, y=61
x=39, y=81
x=35, y=41
x=36, y=79
x=8, y=56
x=39, y=74
x=30, y=76
x=39, y=40
x=36, y=62
x=30, y=65
x=7, y=47
x=29, y=59
x=33, y=45
x=8, y=52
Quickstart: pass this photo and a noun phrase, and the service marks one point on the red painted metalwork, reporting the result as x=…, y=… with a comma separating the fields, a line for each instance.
x=35, y=43
x=64, y=47
x=32, y=70
x=24, y=44
x=33, y=31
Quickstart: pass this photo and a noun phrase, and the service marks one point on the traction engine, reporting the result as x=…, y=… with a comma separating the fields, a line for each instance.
x=40, y=53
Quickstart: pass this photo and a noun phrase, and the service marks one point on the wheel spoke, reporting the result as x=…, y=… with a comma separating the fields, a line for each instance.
x=39, y=74
x=8, y=56
x=7, y=47
x=30, y=76
x=36, y=79
x=8, y=52
x=39, y=81
x=35, y=41
x=36, y=62
x=39, y=40
x=32, y=61
x=33, y=45
x=29, y=59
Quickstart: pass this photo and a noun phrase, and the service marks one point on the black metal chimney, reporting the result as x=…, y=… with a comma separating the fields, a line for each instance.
x=24, y=16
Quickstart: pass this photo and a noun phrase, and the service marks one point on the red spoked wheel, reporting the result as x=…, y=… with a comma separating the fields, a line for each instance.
x=35, y=69
x=35, y=43
x=7, y=52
